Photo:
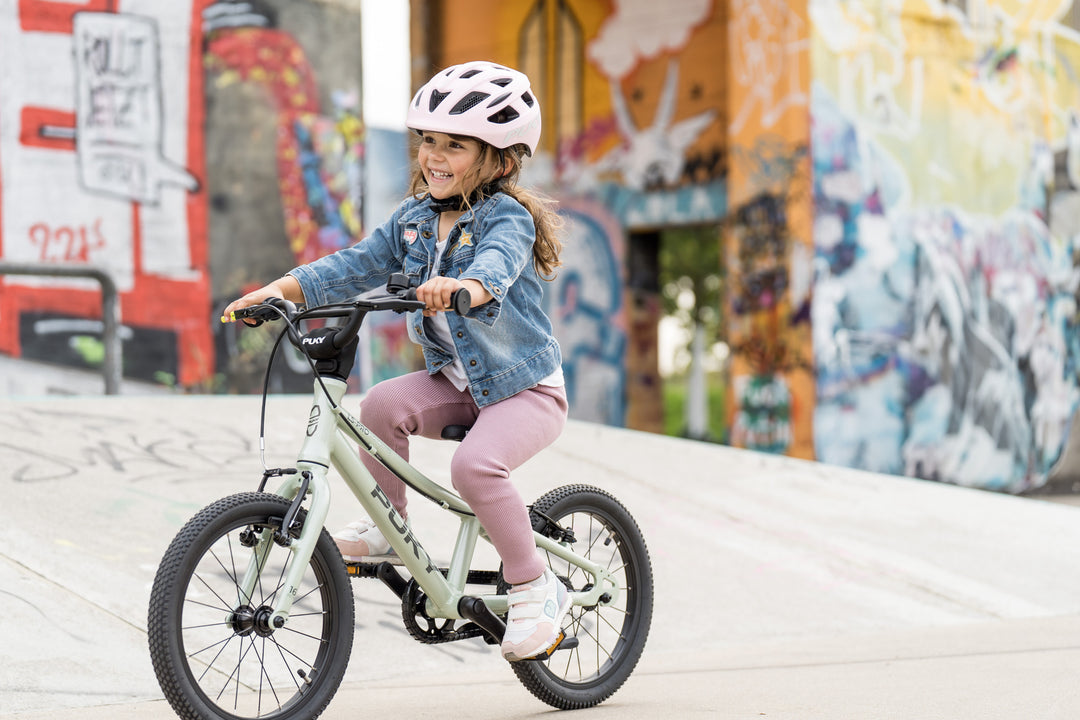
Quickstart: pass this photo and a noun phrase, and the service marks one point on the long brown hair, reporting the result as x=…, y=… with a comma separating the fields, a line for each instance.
x=547, y=220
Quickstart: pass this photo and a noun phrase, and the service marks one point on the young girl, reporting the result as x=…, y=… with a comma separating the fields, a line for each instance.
x=466, y=224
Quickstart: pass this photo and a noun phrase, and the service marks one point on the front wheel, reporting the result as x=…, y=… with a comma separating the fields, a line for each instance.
x=611, y=637
x=214, y=649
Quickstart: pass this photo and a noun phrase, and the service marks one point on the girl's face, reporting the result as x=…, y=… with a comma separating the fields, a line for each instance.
x=450, y=164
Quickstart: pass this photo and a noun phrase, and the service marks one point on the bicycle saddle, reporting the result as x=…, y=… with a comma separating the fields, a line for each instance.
x=455, y=432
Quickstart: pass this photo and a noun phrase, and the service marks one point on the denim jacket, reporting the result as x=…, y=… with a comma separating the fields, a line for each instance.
x=506, y=345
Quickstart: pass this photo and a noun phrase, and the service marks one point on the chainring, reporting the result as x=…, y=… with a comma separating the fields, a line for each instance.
x=426, y=629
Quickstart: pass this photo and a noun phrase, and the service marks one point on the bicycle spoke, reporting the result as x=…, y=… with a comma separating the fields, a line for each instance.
x=213, y=592
x=282, y=648
x=232, y=562
x=285, y=661
x=230, y=574
x=202, y=627
x=318, y=586
x=212, y=607
x=262, y=674
x=297, y=632
x=224, y=644
x=236, y=672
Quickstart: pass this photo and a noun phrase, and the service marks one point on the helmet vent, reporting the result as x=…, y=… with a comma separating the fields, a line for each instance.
x=436, y=98
x=507, y=114
x=527, y=98
x=502, y=82
x=469, y=73
x=468, y=102
x=498, y=100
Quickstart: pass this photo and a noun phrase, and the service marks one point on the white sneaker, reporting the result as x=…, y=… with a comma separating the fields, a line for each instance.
x=360, y=541
x=535, y=619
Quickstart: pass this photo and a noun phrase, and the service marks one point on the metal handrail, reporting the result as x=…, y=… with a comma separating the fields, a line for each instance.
x=110, y=310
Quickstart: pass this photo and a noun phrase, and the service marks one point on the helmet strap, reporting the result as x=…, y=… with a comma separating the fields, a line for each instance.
x=457, y=203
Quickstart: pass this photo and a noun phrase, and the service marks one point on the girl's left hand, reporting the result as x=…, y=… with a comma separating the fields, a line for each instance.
x=437, y=291
x=436, y=294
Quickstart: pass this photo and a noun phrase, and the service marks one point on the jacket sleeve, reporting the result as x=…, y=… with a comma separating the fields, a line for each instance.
x=356, y=269
x=504, y=248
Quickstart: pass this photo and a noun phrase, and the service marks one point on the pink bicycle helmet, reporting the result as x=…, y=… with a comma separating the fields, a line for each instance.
x=482, y=100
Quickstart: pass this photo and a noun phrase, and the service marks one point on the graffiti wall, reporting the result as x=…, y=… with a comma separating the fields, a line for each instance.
x=192, y=149
x=945, y=153
x=98, y=165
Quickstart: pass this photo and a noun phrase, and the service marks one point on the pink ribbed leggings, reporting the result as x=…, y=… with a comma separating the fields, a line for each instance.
x=504, y=435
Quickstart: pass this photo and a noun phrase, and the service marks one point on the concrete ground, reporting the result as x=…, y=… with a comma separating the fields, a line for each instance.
x=784, y=589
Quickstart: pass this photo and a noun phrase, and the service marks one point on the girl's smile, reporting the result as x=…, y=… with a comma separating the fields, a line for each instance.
x=449, y=164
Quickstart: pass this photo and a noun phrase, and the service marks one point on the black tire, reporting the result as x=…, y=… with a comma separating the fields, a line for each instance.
x=611, y=638
x=214, y=654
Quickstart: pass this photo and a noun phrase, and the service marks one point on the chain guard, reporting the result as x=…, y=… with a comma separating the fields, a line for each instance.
x=426, y=629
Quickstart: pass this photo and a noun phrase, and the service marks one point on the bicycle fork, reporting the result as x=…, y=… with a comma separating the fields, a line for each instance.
x=310, y=481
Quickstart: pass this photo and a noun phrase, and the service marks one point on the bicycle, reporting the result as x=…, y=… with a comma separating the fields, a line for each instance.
x=251, y=610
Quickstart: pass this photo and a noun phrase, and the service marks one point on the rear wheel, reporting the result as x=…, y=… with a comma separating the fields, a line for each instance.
x=215, y=651
x=611, y=636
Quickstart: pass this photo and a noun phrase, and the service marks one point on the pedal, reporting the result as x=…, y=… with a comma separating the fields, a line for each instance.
x=367, y=566
x=561, y=643
x=384, y=571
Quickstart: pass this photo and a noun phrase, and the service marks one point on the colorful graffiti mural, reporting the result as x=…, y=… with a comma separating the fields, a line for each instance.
x=769, y=229
x=98, y=166
x=320, y=158
x=585, y=303
x=944, y=313
x=102, y=163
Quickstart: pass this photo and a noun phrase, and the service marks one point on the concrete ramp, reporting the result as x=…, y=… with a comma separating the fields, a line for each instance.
x=784, y=589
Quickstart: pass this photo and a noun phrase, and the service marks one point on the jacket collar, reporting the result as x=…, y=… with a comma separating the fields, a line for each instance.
x=422, y=209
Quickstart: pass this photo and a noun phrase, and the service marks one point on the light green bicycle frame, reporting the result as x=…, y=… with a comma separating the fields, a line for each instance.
x=331, y=440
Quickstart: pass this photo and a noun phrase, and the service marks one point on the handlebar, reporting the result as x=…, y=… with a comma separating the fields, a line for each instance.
x=400, y=298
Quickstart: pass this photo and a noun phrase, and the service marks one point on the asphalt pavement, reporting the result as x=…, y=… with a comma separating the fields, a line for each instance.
x=784, y=588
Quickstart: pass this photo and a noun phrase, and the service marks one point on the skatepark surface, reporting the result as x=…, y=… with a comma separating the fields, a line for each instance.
x=783, y=588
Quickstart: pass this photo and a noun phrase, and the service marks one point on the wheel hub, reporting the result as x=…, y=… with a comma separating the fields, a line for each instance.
x=246, y=620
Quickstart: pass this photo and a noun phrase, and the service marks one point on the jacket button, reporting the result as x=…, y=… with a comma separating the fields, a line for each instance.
x=427, y=234
x=460, y=334
x=484, y=393
x=472, y=363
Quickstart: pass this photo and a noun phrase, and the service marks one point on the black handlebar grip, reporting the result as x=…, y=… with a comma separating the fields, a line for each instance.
x=461, y=301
